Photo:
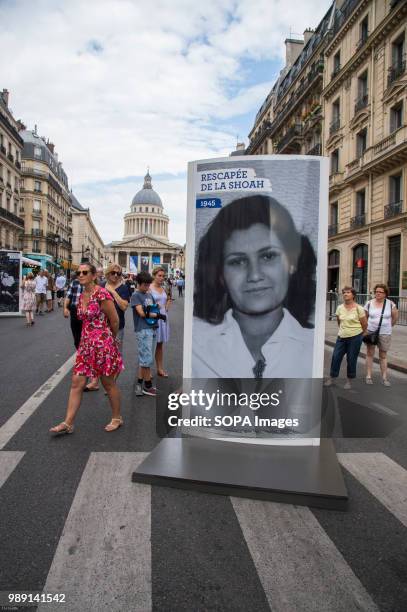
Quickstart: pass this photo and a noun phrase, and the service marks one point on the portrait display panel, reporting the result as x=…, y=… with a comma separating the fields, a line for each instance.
x=10, y=275
x=256, y=269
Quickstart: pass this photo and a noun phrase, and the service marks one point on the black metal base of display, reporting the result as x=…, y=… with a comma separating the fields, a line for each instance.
x=304, y=475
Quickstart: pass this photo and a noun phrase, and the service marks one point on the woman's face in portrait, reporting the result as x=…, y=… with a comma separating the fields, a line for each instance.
x=255, y=269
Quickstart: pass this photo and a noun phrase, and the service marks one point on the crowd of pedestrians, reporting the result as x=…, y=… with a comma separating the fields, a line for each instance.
x=96, y=303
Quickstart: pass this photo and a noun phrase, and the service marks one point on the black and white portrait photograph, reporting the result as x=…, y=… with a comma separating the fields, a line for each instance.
x=257, y=267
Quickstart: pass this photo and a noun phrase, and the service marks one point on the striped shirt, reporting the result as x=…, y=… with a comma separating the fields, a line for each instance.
x=74, y=292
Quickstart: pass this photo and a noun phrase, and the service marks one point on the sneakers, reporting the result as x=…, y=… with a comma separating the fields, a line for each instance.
x=138, y=390
x=386, y=382
x=149, y=391
x=369, y=380
x=328, y=382
x=347, y=385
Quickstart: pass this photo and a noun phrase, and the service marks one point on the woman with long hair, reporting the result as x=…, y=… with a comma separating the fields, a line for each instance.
x=98, y=354
x=254, y=294
x=160, y=295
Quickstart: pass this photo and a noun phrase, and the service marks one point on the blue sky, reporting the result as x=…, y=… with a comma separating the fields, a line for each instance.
x=125, y=84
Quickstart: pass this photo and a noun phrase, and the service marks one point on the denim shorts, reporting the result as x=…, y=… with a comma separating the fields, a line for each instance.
x=147, y=342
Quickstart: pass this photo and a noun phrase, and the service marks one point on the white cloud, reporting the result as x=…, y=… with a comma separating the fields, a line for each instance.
x=120, y=84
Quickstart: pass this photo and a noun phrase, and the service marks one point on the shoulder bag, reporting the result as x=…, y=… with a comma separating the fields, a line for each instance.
x=373, y=337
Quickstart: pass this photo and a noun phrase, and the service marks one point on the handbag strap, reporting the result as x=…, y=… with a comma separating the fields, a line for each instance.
x=381, y=316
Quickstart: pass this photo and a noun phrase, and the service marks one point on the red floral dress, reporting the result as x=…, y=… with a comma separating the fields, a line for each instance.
x=97, y=354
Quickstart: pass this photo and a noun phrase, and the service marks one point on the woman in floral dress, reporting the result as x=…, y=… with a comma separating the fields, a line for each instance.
x=29, y=298
x=98, y=354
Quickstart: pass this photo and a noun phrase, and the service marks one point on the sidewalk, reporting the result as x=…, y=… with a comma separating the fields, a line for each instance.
x=397, y=355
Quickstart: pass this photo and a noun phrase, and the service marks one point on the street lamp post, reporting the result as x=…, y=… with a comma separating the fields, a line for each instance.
x=58, y=240
x=181, y=257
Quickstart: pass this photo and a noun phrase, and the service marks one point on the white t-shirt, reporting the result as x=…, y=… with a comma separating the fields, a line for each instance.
x=374, y=315
x=41, y=283
x=60, y=282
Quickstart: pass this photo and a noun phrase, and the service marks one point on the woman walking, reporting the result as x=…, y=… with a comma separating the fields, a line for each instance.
x=98, y=355
x=50, y=291
x=374, y=310
x=29, y=298
x=161, y=297
x=352, y=324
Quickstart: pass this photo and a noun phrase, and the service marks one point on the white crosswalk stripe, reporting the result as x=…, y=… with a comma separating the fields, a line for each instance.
x=382, y=477
x=103, y=559
x=8, y=462
x=298, y=565
x=15, y=422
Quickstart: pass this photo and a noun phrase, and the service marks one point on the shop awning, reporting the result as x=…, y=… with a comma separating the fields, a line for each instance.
x=30, y=262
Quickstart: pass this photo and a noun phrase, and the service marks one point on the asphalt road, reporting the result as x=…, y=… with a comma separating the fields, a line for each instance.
x=71, y=519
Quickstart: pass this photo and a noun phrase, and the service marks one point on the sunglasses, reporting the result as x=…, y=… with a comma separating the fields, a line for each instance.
x=83, y=272
x=115, y=273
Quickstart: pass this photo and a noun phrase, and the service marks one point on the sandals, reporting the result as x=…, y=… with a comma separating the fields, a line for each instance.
x=114, y=424
x=61, y=429
x=162, y=373
x=89, y=389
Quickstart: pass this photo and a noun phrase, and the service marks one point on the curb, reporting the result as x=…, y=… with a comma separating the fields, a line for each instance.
x=395, y=364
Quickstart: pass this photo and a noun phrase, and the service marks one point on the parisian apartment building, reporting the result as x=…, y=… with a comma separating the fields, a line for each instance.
x=342, y=94
x=86, y=241
x=45, y=204
x=11, y=147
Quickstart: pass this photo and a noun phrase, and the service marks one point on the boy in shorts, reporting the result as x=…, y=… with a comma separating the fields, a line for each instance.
x=146, y=334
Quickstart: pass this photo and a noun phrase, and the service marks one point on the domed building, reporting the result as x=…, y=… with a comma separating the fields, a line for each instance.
x=145, y=241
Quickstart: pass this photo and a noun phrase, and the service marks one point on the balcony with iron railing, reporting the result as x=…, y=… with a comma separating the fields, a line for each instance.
x=358, y=221
x=10, y=157
x=336, y=70
x=9, y=216
x=332, y=229
x=362, y=40
x=36, y=232
x=268, y=128
x=393, y=209
x=361, y=102
x=396, y=71
x=334, y=126
x=315, y=150
x=29, y=170
x=3, y=149
x=292, y=135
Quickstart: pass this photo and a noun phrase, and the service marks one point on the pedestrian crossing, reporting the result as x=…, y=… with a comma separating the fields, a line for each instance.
x=103, y=559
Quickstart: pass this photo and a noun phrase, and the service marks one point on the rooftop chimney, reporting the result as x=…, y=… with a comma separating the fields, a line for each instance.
x=5, y=95
x=51, y=146
x=293, y=48
x=307, y=35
